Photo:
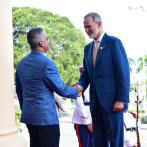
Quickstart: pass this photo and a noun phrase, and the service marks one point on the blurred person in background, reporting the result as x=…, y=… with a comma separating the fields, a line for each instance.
x=82, y=118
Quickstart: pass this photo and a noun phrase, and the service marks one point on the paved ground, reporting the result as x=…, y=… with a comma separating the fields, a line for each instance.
x=143, y=137
x=68, y=136
x=67, y=139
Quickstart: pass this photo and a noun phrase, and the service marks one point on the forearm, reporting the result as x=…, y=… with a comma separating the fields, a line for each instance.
x=84, y=78
x=19, y=90
x=55, y=83
x=122, y=73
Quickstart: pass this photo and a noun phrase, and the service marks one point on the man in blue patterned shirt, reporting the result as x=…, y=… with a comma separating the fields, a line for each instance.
x=37, y=78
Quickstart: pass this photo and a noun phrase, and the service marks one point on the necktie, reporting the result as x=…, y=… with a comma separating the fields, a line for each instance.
x=95, y=50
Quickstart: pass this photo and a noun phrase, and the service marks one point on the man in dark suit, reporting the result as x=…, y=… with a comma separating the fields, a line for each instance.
x=37, y=78
x=106, y=68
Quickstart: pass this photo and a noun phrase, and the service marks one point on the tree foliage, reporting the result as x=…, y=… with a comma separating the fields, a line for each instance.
x=131, y=62
x=140, y=61
x=66, y=42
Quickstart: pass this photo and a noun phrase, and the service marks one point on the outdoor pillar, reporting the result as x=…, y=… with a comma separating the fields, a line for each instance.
x=8, y=130
x=144, y=86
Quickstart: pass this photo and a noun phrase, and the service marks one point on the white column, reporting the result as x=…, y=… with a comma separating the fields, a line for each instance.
x=144, y=81
x=8, y=135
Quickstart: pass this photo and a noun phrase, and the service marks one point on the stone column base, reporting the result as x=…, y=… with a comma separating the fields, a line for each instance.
x=12, y=140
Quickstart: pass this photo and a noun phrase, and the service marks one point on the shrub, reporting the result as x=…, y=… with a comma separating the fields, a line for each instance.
x=17, y=117
x=143, y=119
x=140, y=111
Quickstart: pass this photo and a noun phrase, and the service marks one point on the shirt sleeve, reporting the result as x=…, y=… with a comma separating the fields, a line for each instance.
x=82, y=111
x=84, y=78
x=121, y=66
x=55, y=83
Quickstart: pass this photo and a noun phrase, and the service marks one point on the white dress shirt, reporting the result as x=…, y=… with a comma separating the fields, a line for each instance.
x=99, y=40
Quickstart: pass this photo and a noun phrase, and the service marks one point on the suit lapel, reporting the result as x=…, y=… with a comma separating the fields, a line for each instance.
x=89, y=54
x=88, y=58
x=102, y=49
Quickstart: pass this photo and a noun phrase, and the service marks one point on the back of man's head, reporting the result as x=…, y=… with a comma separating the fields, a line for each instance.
x=34, y=36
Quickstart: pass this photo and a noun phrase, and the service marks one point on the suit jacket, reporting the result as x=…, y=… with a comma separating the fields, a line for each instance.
x=37, y=78
x=110, y=77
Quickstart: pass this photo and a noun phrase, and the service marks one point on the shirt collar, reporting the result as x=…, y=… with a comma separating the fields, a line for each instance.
x=100, y=38
x=37, y=51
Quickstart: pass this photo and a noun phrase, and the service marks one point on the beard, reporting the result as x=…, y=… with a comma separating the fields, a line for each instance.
x=94, y=34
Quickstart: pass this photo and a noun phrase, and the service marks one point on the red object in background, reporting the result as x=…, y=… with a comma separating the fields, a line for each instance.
x=134, y=115
x=140, y=101
x=75, y=84
x=135, y=100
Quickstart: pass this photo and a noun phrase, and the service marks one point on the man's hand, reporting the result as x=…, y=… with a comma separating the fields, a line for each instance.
x=89, y=126
x=80, y=90
x=118, y=106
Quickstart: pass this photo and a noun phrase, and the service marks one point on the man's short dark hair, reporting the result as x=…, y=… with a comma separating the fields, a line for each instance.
x=32, y=37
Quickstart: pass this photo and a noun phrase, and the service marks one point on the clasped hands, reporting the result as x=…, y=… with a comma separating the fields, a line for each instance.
x=80, y=90
x=118, y=106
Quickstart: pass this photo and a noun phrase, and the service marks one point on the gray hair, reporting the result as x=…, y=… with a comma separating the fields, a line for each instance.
x=96, y=17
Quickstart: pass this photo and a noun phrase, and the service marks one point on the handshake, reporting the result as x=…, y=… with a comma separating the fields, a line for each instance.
x=80, y=90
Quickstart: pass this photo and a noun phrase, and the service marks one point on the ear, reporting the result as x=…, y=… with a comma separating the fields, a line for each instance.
x=99, y=24
x=41, y=43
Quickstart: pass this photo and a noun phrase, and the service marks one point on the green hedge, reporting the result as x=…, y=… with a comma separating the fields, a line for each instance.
x=143, y=119
x=140, y=111
x=17, y=117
